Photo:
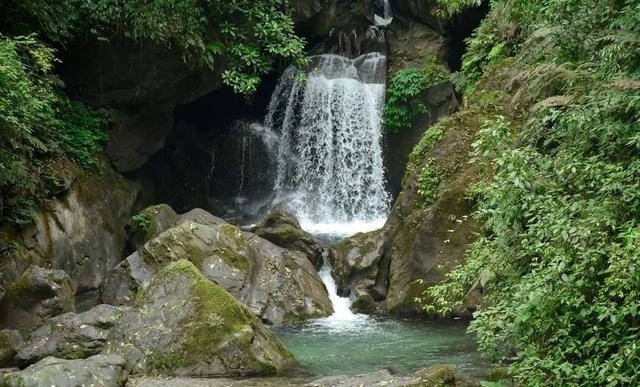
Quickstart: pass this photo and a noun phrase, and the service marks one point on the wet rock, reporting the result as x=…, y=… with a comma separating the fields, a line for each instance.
x=99, y=370
x=283, y=229
x=37, y=295
x=186, y=325
x=276, y=284
x=355, y=263
x=362, y=301
x=70, y=335
x=10, y=341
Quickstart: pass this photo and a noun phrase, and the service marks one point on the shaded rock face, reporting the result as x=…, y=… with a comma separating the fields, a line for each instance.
x=37, y=295
x=283, y=229
x=82, y=232
x=99, y=370
x=186, y=325
x=70, y=335
x=143, y=83
x=276, y=284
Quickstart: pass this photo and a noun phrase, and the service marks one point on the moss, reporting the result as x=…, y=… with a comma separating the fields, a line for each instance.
x=232, y=242
x=23, y=287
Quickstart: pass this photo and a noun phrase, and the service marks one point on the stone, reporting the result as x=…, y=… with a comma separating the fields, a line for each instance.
x=10, y=341
x=70, y=335
x=362, y=301
x=183, y=324
x=355, y=263
x=159, y=217
x=283, y=229
x=99, y=370
x=276, y=284
x=37, y=295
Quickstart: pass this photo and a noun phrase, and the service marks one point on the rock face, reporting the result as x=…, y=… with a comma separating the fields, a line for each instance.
x=276, y=284
x=38, y=294
x=82, y=232
x=70, y=335
x=99, y=370
x=143, y=83
x=282, y=229
x=10, y=341
x=186, y=325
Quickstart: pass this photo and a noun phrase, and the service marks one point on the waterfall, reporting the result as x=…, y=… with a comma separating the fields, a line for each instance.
x=382, y=15
x=329, y=159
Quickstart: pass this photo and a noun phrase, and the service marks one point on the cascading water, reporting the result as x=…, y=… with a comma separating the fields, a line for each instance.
x=330, y=171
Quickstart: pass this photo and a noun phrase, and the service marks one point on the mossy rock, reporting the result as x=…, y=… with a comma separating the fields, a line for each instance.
x=186, y=325
x=277, y=284
x=10, y=340
x=37, y=294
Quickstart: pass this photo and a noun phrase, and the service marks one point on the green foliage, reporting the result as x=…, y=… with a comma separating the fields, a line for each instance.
x=37, y=124
x=449, y=8
x=404, y=93
x=430, y=137
x=142, y=222
x=558, y=258
x=428, y=183
x=248, y=36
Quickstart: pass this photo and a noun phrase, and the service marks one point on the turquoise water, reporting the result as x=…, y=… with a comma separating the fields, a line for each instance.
x=365, y=344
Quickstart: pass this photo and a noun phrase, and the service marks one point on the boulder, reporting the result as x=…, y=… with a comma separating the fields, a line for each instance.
x=99, y=370
x=363, y=302
x=283, y=229
x=186, y=325
x=70, y=335
x=10, y=341
x=149, y=223
x=37, y=295
x=355, y=263
x=276, y=284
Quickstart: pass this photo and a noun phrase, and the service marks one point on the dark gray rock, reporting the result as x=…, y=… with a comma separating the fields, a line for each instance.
x=362, y=301
x=37, y=295
x=10, y=341
x=276, y=284
x=355, y=263
x=186, y=325
x=70, y=335
x=99, y=370
x=283, y=229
